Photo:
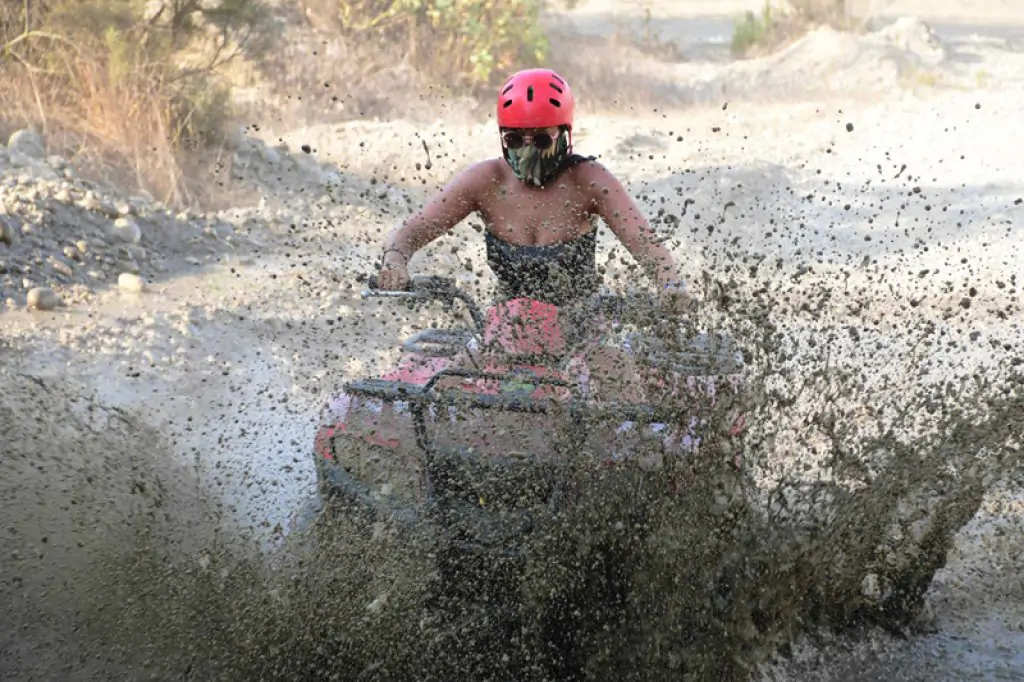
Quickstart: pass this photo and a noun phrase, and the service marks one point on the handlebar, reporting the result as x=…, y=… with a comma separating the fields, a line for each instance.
x=640, y=308
x=436, y=288
x=429, y=288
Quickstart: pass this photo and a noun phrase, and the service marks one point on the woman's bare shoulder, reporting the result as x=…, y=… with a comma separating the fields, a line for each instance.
x=472, y=182
x=591, y=169
x=594, y=178
x=482, y=174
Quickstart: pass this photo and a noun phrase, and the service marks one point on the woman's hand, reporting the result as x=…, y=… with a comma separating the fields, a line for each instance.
x=394, y=273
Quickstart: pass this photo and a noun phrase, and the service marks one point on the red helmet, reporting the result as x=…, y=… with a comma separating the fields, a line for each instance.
x=535, y=98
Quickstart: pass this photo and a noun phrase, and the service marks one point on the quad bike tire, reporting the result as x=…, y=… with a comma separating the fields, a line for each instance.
x=361, y=479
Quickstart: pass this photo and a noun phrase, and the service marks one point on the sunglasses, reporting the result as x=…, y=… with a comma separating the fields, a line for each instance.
x=514, y=140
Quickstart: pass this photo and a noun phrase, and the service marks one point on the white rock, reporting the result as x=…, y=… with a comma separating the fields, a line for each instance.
x=126, y=230
x=27, y=142
x=42, y=298
x=131, y=283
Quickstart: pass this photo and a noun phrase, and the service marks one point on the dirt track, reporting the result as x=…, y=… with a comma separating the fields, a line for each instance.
x=226, y=364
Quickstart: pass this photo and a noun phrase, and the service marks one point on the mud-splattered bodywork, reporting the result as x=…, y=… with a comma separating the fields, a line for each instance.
x=503, y=430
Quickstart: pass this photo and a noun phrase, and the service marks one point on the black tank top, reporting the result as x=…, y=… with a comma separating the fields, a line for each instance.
x=554, y=273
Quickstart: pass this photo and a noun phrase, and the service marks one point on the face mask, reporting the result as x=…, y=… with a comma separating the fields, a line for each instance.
x=538, y=166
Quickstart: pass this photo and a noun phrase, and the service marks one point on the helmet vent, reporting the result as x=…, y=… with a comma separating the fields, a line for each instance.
x=507, y=104
x=558, y=78
x=509, y=87
x=529, y=94
x=555, y=102
x=557, y=89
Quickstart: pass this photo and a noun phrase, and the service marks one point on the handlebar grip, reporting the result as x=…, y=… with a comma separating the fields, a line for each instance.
x=418, y=284
x=432, y=283
x=373, y=290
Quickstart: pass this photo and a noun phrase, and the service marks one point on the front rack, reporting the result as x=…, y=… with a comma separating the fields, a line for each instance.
x=428, y=394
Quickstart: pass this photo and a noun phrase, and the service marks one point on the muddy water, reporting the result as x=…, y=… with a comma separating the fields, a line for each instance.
x=241, y=425
x=249, y=450
x=976, y=616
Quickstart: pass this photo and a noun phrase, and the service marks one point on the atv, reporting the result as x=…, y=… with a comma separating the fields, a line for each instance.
x=494, y=417
x=490, y=432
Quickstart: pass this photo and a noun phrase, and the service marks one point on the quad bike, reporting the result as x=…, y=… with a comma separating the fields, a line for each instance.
x=488, y=431
x=479, y=414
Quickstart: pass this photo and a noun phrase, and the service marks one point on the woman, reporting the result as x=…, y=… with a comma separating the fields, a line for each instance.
x=538, y=203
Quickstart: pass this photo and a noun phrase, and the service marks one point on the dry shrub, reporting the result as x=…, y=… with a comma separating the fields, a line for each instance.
x=129, y=93
x=463, y=43
x=355, y=59
x=757, y=34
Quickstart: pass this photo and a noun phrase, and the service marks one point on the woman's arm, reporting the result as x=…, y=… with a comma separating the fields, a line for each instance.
x=456, y=200
x=612, y=202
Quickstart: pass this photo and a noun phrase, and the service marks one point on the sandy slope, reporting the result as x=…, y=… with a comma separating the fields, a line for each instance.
x=229, y=363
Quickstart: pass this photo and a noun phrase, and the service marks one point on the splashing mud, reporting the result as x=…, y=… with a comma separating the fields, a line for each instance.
x=85, y=490
x=851, y=496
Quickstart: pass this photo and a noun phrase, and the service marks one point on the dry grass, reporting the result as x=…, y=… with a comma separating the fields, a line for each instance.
x=127, y=96
x=123, y=136
x=108, y=91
